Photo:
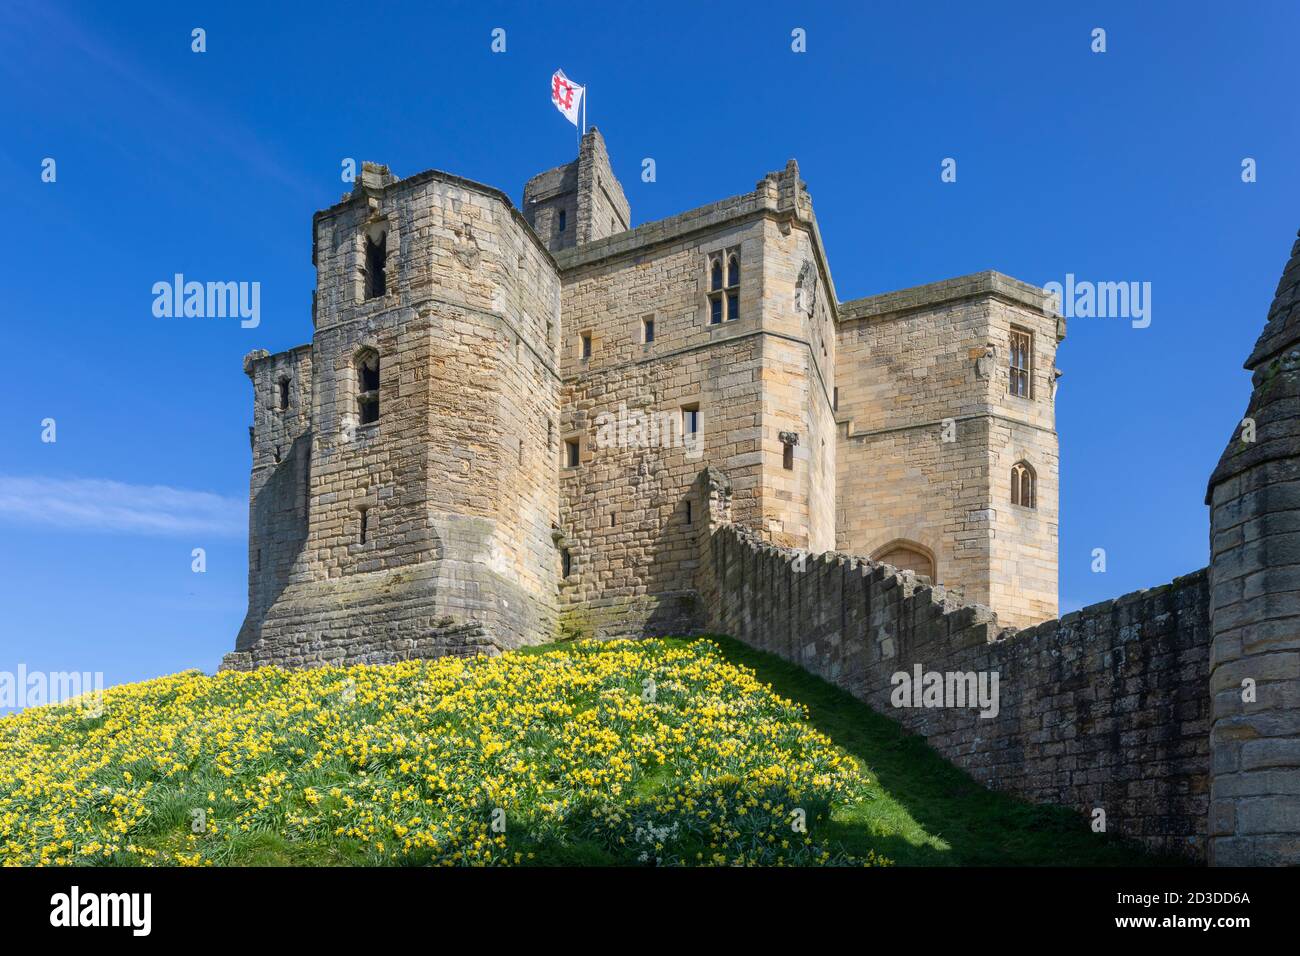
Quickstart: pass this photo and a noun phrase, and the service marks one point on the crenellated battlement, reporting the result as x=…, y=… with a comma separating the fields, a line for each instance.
x=1105, y=709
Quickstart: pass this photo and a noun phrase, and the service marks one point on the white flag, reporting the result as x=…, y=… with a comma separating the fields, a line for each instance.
x=566, y=95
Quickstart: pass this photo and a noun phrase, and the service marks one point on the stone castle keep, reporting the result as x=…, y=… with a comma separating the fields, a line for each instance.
x=429, y=474
x=512, y=426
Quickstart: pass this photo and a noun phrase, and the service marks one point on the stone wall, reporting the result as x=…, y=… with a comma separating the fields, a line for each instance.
x=279, y=492
x=470, y=509
x=586, y=191
x=930, y=432
x=799, y=377
x=366, y=535
x=1107, y=708
x=1254, y=499
x=602, y=208
x=624, y=506
x=502, y=338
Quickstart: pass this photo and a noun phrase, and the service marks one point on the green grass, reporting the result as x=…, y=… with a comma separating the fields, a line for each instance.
x=926, y=811
x=347, y=766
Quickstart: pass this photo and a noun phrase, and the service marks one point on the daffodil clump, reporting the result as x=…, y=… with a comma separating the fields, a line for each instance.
x=632, y=752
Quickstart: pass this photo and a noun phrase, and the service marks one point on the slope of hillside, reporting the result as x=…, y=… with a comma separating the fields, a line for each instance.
x=669, y=752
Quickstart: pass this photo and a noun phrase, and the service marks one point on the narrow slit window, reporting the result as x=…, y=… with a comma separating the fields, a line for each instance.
x=584, y=345
x=367, y=369
x=571, y=453
x=648, y=329
x=690, y=518
x=284, y=394
x=365, y=523
x=787, y=457
x=566, y=562
x=835, y=400
x=564, y=221
x=733, y=286
x=690, y=419
x=376, y=262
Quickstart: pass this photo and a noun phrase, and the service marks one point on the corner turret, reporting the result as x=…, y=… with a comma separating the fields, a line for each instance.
x=579, y=202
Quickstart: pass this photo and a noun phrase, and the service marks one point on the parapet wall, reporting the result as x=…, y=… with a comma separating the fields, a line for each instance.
x=1107, y=708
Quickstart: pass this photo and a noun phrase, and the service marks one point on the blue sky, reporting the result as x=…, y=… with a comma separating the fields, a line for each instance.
x=1117, y=166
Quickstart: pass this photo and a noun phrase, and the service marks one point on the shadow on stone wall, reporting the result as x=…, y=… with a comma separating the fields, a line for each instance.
x=279, y=513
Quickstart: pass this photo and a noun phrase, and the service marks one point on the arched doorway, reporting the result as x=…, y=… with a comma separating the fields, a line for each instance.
x=907, y=556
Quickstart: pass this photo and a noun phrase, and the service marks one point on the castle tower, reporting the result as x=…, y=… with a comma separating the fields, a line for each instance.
x=702, y=340
x=948, y=453
x=1254, y=499
x=404, y=486
x=578, y=202
x=501, y=417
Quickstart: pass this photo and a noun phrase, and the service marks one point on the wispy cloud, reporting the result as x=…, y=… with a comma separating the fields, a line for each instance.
x=91, y=504
x=32, y=32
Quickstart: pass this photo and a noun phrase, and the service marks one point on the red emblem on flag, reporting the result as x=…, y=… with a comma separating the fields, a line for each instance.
x=562, y=92
x=566, y=95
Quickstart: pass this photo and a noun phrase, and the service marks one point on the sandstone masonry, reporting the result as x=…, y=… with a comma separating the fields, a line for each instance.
x=1254, y=499
x=546, y=386
x=1105, y=710
x=514, y=425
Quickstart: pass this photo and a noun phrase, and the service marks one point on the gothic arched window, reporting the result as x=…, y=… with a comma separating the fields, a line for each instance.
x=724, y=286
x=1024, y=482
